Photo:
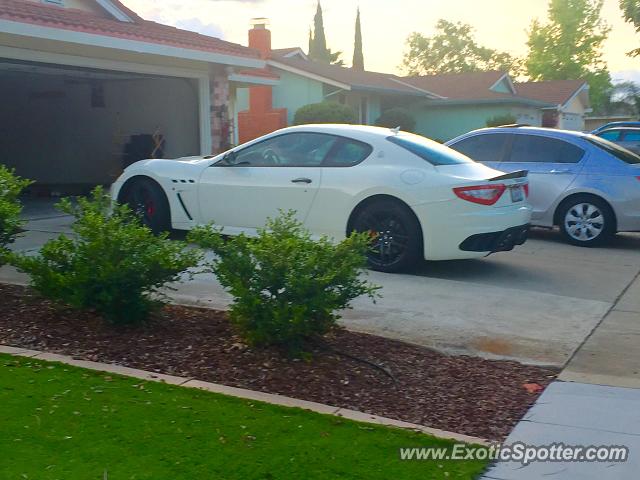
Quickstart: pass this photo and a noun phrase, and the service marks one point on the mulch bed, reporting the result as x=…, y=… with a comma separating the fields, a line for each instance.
x=468, y=395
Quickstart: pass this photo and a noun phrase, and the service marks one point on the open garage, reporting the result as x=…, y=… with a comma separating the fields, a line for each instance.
x=71, y=128
x=88, y=87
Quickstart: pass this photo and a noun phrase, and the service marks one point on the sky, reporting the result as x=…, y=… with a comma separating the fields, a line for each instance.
x=386, y=24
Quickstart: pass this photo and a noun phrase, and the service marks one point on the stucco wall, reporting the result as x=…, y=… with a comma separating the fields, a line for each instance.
x=50, y=132
x=446, y=122
x=294, y=92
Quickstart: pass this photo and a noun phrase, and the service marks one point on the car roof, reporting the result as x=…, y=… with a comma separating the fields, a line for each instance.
x=620, y=127
x=358, y=132
x=547, y=132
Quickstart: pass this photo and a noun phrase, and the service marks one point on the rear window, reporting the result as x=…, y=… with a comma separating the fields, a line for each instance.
x=487, y=147
x=432, y=152
x=615, y=150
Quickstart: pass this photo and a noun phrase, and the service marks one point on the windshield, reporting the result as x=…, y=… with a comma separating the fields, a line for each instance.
x=615, y=150
x=432, y=152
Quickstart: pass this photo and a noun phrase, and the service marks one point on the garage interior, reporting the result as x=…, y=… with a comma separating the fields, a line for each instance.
x=69, y=129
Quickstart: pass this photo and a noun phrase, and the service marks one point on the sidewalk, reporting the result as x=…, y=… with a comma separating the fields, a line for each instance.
x=596, y=402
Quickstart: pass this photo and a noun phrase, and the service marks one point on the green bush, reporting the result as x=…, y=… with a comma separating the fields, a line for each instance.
x=287, y=287
x=113, y=265
x=325, y=112
x=397, y=117
x=499, y=120
x=10, y=224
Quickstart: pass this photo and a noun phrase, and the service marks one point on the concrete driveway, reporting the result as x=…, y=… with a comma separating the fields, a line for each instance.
x=536, y=304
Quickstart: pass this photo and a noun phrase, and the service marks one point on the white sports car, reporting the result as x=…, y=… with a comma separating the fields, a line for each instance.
x=417, y=197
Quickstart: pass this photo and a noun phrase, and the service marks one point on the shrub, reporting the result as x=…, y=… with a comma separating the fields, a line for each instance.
x=499, y=120
x=397, y=117
x=10, y=224
x=113, y=265
x=287, y=287
x=325, y=112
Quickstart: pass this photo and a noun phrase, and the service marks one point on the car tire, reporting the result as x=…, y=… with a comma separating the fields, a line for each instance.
x=586, y=221
x=147, y=199
x=398, y=240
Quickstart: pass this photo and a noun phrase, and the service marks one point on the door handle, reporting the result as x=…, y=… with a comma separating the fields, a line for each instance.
x=301, y=180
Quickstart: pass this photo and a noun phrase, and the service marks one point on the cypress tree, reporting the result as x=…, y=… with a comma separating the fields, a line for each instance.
x=319, y=38
x=358, y=56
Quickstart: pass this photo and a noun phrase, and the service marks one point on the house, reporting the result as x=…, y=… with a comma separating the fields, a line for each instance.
x=569, y=100
x=444, y=106
x=469, y=100
x=302, y=81
x=87, y=86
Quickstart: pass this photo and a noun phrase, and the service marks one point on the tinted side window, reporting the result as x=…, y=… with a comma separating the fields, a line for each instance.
x=631, y=136
x=289, y=150
x=348, y=153
x=483, y=148
x=611, y=135
x=536, y=149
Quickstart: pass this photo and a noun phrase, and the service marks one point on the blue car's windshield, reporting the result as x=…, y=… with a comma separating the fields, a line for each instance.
x=615, y=150
x=432, y=152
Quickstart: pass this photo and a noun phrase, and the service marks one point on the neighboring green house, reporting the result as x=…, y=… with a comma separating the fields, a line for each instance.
x=444, y=106
x=303, y=81
x=469, y=100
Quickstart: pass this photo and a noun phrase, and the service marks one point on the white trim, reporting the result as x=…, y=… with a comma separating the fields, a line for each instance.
x=114, y=11
x=433, y=95
x=312, y=76
x=105, y=41
x=204, y=107
x=297, y=52
x=509, y=81
x=96, y=63
x=256, y=80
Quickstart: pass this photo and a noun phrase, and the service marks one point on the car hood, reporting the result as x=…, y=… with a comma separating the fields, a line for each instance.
x=469, y=171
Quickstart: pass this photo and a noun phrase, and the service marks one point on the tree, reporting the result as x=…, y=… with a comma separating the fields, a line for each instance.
x=318, y=50
x=569, y=46
x=631, y=12
x=358, y=56
x=623, y=99
x=453, y=49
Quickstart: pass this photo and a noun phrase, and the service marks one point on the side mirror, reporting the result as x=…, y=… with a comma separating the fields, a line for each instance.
x=227, y=161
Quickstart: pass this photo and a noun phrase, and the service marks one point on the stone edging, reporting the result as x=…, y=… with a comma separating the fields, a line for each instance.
x=241, y=393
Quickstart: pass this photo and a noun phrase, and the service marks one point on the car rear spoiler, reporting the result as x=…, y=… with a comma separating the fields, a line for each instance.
x=510, y=176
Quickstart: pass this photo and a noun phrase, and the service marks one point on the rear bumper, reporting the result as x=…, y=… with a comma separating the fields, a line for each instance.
x=448, y=225
x=496, y=241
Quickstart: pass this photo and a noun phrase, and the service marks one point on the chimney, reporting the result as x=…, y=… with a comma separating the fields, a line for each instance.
x=260, y=37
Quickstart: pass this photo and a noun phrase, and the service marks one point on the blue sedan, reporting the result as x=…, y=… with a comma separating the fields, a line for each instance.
x=586, y=185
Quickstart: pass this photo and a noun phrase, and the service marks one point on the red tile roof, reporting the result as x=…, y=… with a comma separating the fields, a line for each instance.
x=557, y=92
x=140, y=30
x=461, y=86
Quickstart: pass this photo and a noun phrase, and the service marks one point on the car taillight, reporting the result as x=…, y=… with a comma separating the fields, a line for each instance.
x=482, y=194
x=526, y=190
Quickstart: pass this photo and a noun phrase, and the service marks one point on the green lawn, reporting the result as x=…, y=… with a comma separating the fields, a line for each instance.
x=62, y=422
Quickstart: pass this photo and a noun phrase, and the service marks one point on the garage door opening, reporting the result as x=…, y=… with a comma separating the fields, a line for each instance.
x=69, y=129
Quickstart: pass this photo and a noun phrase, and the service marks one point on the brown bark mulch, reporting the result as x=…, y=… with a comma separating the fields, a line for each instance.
x=468, y=395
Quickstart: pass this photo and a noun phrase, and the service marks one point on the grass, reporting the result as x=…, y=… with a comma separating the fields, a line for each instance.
x=62, y=422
